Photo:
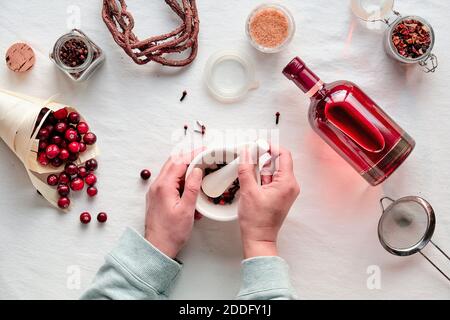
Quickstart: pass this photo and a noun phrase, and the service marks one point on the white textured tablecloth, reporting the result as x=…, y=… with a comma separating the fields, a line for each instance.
x=330, y=238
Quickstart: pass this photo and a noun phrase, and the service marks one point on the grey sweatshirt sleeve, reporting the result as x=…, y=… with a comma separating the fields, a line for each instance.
x=266, y=278
x=137, y=270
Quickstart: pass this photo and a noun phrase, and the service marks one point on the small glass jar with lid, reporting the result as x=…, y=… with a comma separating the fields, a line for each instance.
x=407, y=39
x=76, y=55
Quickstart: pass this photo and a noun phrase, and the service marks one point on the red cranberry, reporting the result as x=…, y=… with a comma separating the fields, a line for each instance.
x=71, y=169
x=146, y=174
x=64, y=178
x=83, y=128
x=52, y=151
x=57, y=162
x=71, y=135
x=92, y=191
x=89, y=138
x=42, y=159
x=52, y=180
x=82, y=172
x=102, y=217
x=61, y=114
x=91, y=165
x=56, y=140
x=74, y=117
x=43, y=145
x=63, y=202
x=49, y=127
x=63, y=144
x=73, y=157
x=74, y=147
x=61, y=127
x=90, y=179
x=85, y=217
x=63, y=190
x=83, y=147
x=64, y=154
x=77, y=184
x=43, y=134
x=51, y=118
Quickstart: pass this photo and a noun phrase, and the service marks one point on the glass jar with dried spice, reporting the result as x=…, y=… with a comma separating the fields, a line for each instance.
x=76, y=55
x=408, y=39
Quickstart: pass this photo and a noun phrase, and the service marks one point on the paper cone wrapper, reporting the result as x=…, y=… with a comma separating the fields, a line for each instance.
x=18, y=116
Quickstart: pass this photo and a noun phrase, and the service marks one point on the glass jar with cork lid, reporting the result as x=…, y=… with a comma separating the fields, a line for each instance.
x=407, y=39
x=76, y=55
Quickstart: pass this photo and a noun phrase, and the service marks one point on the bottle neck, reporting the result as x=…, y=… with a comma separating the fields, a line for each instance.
x=303, y=77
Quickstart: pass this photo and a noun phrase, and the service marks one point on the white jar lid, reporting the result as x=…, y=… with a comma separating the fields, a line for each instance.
x=229, y=75
x=372, y=10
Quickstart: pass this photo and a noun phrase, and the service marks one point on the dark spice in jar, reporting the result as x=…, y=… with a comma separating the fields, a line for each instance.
x=73, y=52
x=228, y=196
x=411, y=38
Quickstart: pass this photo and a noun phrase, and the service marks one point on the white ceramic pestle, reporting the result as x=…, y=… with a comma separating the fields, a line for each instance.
x=215, y=183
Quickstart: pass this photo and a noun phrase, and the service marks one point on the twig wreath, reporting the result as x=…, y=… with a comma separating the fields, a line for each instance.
x=120, y=23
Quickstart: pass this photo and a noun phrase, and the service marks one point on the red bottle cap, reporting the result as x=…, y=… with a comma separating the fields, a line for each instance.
x=302, y=76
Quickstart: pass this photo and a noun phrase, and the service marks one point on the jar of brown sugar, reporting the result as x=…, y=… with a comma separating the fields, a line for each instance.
x=270, y=27
x=76, y=55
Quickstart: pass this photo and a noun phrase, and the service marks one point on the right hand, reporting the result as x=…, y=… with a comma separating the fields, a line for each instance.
x=263, y=208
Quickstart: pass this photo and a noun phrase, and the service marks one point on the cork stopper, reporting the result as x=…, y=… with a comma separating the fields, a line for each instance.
x=20, y=57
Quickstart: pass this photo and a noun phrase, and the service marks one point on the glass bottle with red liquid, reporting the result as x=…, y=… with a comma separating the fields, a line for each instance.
x=353, y=124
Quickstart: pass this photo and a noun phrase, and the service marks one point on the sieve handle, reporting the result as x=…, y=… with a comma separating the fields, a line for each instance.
x=433, y=264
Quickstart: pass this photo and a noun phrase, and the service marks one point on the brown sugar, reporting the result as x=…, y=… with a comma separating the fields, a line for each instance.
x=269, y=27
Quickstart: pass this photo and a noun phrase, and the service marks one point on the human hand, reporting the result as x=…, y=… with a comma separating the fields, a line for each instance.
x=262, y=209
x=171, y=206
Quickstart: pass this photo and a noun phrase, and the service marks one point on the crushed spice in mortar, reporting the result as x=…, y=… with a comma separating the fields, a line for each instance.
x=228, y=196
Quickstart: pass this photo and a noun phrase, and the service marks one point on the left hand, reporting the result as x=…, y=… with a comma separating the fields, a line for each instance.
x=171, y=206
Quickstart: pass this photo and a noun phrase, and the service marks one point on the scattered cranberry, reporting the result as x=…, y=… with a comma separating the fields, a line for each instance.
x=82, y=128
x=61, y=114
x=89, y=138
x=71, y=169
x=82, y=172
x=146, y=174
x=102, y=217
x=42, y=159
x=52, y=180
x=63, y=202
x=77, y=184
x=56, y=140
x=83, y=146
x=92, y=191
x=43, y=145
x=90, y=179
x=63, y=190
x=57, y=162
x=74, y=147
x=85, y=217
x=61, y=127
x=43, y=134
x=71, y=135
x=73, y=117
x=64, y=178
x=52, y=151
x=91, y=165
x=64, y=154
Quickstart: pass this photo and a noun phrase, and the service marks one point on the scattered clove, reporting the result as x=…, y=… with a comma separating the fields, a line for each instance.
x=277, y=118
x=183, y=96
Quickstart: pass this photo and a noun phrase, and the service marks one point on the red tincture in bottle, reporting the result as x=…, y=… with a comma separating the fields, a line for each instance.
x=352, y=124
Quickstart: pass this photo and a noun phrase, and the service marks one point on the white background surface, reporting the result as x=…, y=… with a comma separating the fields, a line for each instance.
x=330, y=237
